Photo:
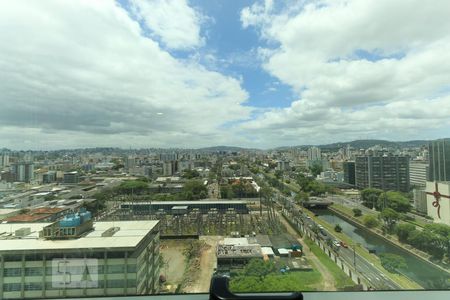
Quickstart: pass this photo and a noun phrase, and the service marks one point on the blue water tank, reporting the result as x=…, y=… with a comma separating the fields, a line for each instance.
x=85, y=216
x=70, y=221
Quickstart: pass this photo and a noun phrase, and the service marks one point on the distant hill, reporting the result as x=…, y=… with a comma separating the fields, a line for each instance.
x=364, y=144
x=224, y=148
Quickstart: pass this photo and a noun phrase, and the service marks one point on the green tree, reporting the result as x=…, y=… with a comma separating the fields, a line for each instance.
x=369, y=197
x=357, y=212
x=403, y=231
x=196, y=188
x=393, y=200
x=392, y=262
x=259, y=268
x=370, y=221
x=132, y=187
x=189, y=174
x=316, y=169
x=301, y=197
x=390, y=218
x=278, y=174
x=338, y=228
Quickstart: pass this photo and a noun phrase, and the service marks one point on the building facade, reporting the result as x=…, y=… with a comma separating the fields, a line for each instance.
x=349, y=172
x=23, y=172
x=439, y=156
x=418, y=172
x=387, y=172
x=116, y=258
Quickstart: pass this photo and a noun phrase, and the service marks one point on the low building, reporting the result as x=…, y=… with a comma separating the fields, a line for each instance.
x=236, y=253
x=420, y=200
x=103, y=259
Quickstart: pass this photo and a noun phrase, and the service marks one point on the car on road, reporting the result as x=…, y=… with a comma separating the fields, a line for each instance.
x=336, y=244
x=343, y=244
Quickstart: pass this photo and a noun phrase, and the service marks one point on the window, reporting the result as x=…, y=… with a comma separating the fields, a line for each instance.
x=12, y=272
x=33, y=271
x=116, y=269
x=12, y=287
x=33, y=286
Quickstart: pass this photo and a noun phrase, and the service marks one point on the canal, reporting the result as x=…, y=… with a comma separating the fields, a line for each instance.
x=423, y=273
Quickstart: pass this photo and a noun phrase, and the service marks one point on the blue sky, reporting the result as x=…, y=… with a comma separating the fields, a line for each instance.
x=196, y=73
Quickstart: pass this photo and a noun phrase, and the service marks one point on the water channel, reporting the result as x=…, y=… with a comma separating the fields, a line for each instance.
x=423, y=273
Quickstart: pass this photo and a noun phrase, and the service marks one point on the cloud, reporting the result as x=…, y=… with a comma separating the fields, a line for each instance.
x=85, y=72
x=173, y=21
x=357, y=68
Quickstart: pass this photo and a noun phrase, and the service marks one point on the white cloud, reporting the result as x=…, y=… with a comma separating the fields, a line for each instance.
x=356, y=66
x=81, y=73
x=173, y=21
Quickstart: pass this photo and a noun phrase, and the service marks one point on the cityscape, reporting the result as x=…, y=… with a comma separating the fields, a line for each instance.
x=180, y=148
x=363, y=215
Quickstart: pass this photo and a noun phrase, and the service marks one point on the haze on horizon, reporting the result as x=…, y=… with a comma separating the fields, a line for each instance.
x=192, y=74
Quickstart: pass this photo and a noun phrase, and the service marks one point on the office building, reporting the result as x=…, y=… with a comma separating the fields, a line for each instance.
x=386, y=172
x=349, y=172
x=170, y=168
x=418, y=171
x=78, y=258
x=23, y=171
x=439, y=157
x=282, y=165
x=71, y=177
x=49, y=177
x=420, y=200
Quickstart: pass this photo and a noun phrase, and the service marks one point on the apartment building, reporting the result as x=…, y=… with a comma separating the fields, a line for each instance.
x=70, y=259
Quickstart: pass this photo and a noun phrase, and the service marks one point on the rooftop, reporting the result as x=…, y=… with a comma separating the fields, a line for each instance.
x=129, y=236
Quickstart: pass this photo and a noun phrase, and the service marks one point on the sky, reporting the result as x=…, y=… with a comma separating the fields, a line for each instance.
x=197, y=73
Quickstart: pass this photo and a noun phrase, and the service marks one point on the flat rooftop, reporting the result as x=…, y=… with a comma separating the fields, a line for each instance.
x=129, y=236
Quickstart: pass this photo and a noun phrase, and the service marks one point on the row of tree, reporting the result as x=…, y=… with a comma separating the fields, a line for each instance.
x=433, y=239
x=379, y=199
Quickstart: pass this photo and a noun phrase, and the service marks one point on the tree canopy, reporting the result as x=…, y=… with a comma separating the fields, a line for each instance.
x=392, y=262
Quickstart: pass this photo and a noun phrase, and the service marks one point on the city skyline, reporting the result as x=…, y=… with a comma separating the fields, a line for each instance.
x=251, y=73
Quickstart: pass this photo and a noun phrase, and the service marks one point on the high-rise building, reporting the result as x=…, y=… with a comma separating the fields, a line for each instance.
x=314, y=153
x=4, y=160
x=349, y=172
x=49, y=177
x=73, y=258
x=23, y=171
x=386, y=172
x=420, y=200
x=418, y=171
x=439, y=156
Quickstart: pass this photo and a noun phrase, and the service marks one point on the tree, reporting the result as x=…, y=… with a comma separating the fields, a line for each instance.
x=301, y=197
x=390, y=217
x=195, y=188
x=337, y=228
x=132, y=187
x=259, y=268
x=403, y=231
x=370, y=221
x=316, y=169
x=370, y=196
x=392, y=262
x=189, y=174
x=278, y=174
x=357, y=212
x=394, y=200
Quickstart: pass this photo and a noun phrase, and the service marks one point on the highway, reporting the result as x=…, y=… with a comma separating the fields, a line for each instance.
x=365, y=268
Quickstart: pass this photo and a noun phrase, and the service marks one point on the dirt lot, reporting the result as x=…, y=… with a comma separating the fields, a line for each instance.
x=201, y=281
x=175, y=263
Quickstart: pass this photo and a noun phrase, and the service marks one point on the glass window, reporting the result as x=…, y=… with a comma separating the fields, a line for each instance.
x=12, y=272
x=33, y=271
x=11, y=287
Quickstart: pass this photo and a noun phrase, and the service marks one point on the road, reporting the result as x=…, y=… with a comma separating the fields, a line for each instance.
x=374, y=275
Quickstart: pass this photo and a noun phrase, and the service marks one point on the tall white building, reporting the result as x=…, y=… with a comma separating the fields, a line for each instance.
x=314, y=153
x=4, y=160
x=418, y=171
x=105, y=258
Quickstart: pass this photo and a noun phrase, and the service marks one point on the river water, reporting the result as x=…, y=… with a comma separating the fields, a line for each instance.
x=423, y=273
